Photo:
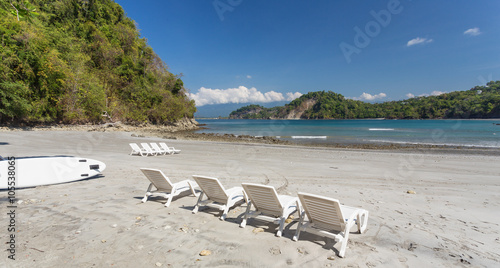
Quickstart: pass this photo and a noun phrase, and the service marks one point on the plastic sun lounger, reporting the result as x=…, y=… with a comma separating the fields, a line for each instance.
x=172, y=150
x=268, y=205
x=217, y=196
x=157, y=149
x=137, y=150
x=164, y=187
x=148, y=149
x=327, y=217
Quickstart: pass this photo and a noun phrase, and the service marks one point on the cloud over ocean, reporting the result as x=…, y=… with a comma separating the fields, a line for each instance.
x=241, y=94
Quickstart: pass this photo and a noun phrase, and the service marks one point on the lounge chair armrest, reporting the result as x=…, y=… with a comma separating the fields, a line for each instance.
x=352, y=219
x=293, y=202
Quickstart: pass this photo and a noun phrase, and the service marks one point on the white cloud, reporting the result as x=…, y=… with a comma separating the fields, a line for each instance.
x=473, y=31
x=418, y=40
x=369, y=97
x=437, y=93
x=291, y=96
x=433, y=93
x=241, y=94
x=249, y=76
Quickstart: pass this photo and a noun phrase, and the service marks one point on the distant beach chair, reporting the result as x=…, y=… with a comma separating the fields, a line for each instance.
x=164, y=187
x=172, y=150
x=157, y=149
x=327, y=217
x=268, y=205
x=148, y=149
x=217, y=196
x=137, y=150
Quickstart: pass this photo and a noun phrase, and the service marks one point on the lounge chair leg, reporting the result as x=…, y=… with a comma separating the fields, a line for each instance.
x=297, y=234
x=169, y=200
x=280, y=230
x=244, y=221
x=299, y=227
x=195, y=209
x=224, y=213
x=343, y=243
x=147, y=193
x=362, y=224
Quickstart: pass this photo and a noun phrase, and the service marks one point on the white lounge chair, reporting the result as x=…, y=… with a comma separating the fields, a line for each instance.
x=164, y=187
x=137, y=150
x=217, y=196
x=172, y=150
x=327, y=217
x=157, y=149
x=148, y=149
x=268, y=205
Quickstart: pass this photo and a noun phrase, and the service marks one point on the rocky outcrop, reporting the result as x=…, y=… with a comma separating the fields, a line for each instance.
x=186, y=124
x=181, y=125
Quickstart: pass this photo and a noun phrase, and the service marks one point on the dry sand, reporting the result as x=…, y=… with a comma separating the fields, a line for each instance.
x=451, y=220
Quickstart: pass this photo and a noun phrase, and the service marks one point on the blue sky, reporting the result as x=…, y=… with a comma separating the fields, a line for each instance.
x=256, y=51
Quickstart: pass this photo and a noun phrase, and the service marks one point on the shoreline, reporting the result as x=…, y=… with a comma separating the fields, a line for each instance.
x=187, y=132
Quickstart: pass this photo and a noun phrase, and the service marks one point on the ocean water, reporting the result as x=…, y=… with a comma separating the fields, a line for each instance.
x=470, y=133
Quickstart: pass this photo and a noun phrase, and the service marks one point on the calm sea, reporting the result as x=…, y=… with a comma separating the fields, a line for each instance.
x=477, y=133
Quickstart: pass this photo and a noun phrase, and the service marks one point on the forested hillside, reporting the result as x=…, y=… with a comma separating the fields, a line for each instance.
x=478, y=102
x=68, y=61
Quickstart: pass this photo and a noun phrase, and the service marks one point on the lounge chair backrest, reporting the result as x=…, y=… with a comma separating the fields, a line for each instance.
x=158, y=179
x=135, y=147
x=212, y=188
x=156, y=147
x=264, y=198
x=164, y=145
x=323, y=212
x=146, y=146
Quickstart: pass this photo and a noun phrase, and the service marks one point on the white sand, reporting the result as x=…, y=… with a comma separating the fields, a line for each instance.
x=452, y=220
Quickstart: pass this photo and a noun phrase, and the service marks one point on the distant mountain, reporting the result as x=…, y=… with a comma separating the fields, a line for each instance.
x=478, y=102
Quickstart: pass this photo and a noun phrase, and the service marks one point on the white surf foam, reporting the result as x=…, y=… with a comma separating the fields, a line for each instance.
x=380, y=129
x=309, y=137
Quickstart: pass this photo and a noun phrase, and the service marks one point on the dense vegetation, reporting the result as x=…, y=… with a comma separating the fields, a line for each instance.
x=478, y=102
x=68, y=61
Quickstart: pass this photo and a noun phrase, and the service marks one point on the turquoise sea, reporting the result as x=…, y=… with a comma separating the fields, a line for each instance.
x=469, y=133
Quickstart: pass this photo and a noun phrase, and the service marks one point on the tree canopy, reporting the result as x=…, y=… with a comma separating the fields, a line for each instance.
x=68, y=61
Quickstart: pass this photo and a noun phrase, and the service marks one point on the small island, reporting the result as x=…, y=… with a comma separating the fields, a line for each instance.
x=480, y=102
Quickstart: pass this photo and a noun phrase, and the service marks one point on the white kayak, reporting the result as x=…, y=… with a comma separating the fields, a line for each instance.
x=35, y=171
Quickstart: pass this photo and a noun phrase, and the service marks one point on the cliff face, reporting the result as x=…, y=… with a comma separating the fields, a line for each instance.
x=298, y=112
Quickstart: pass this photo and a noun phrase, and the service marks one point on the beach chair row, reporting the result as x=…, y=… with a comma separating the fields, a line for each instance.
x=152, y=150
x=321, y=215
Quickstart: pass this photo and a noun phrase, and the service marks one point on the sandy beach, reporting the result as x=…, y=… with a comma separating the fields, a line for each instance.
x=450, y=220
